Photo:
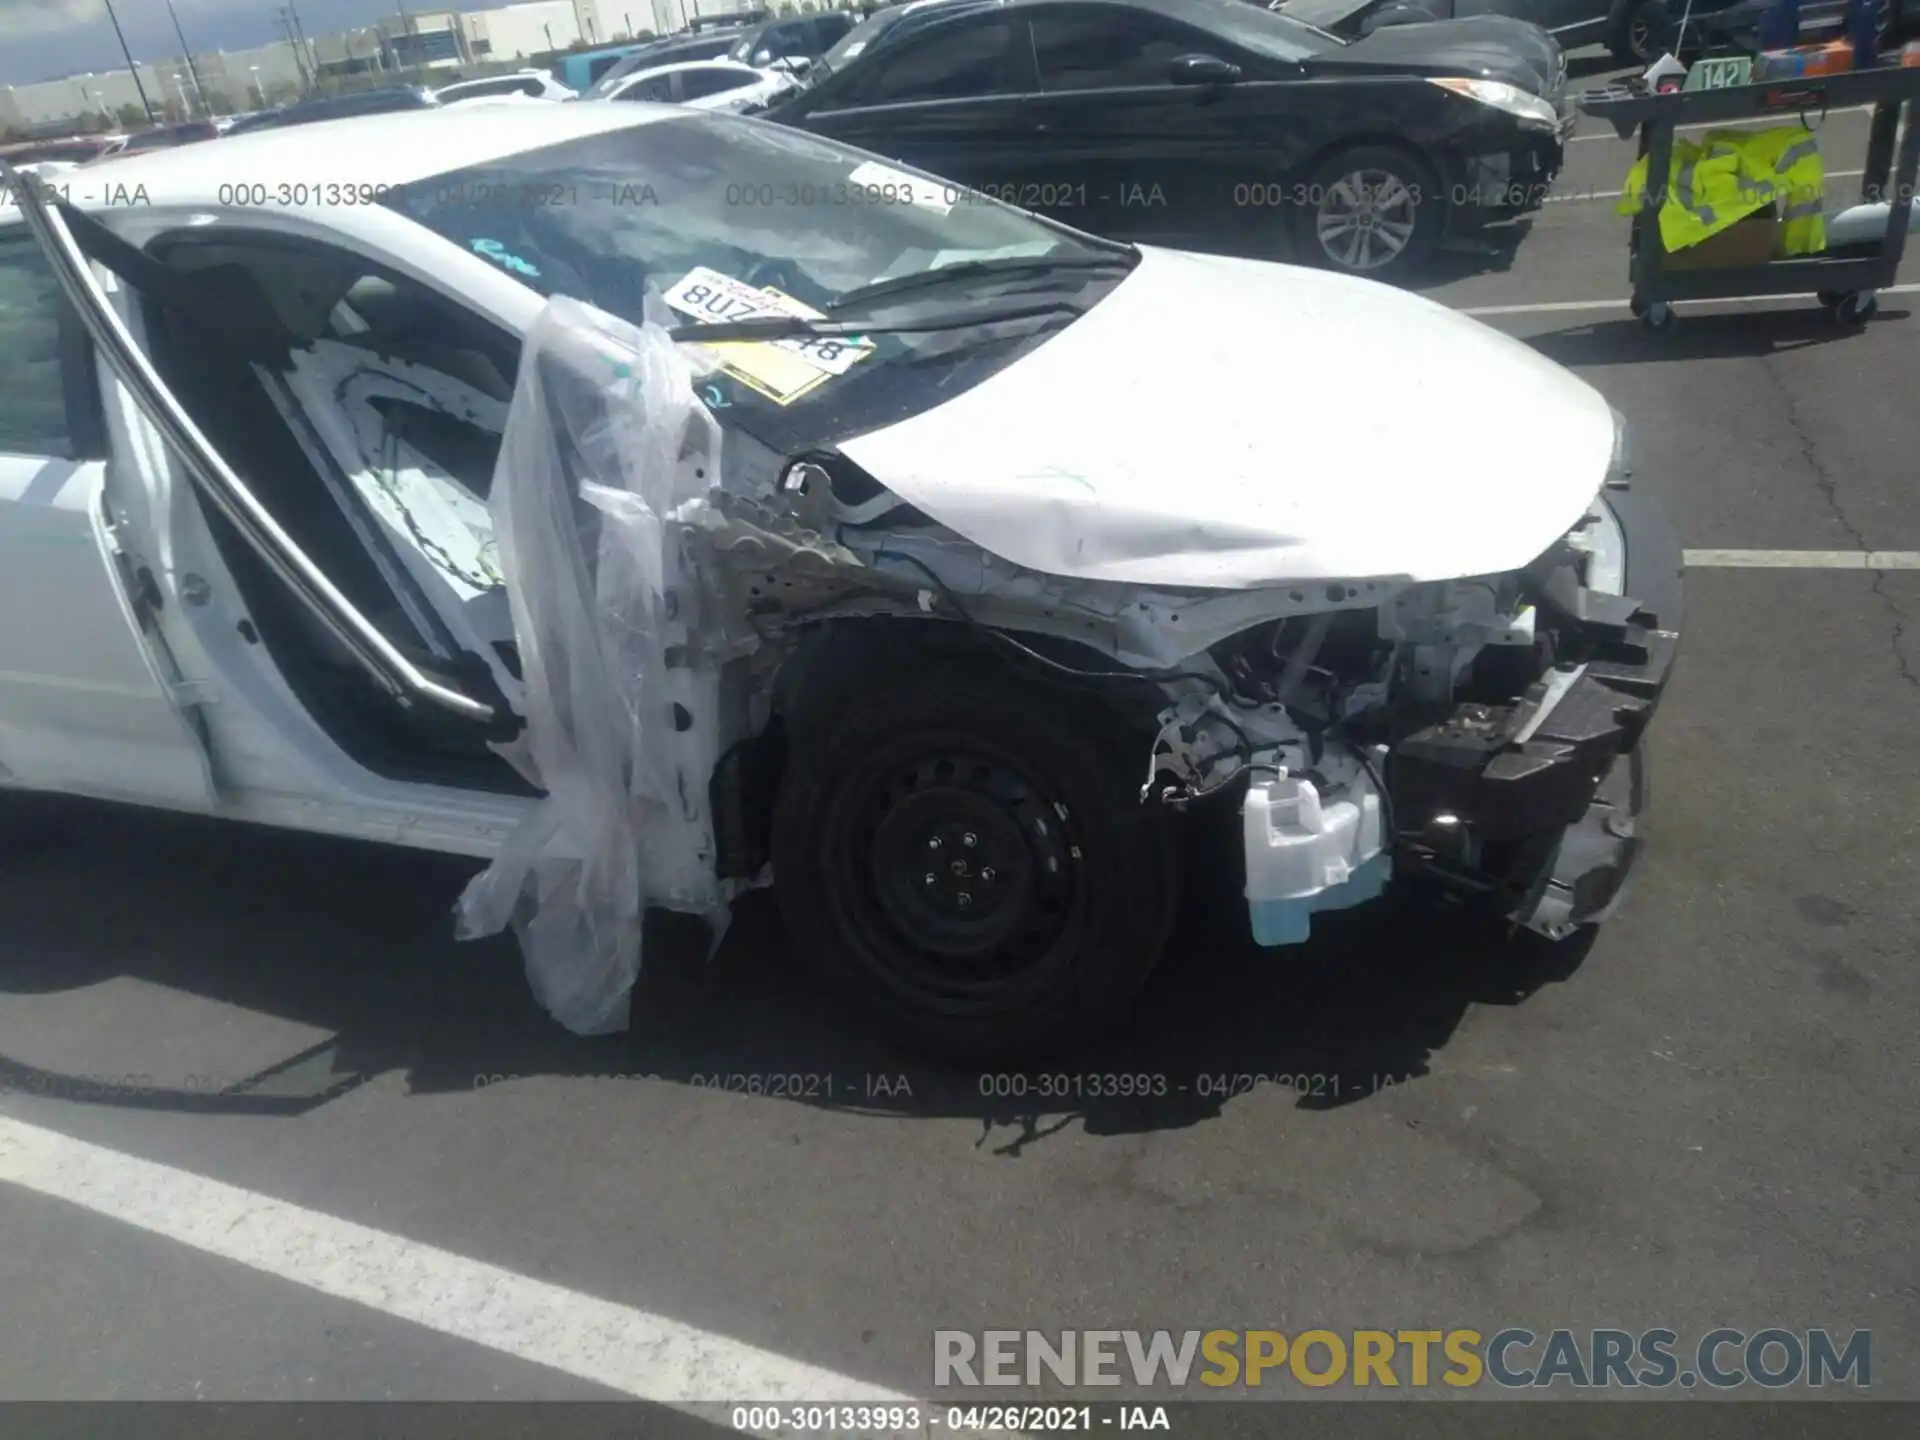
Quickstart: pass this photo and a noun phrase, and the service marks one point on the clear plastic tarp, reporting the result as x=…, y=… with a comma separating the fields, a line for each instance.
x=605, y=468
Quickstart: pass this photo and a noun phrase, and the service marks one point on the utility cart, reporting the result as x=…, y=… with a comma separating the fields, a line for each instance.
x=1847, y=285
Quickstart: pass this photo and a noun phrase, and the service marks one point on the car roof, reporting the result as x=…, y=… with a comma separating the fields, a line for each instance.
x=894, y=14
x=490, y=79
x=1177, y=8
x=718, y=62
x=392, y=149
x=635, y=61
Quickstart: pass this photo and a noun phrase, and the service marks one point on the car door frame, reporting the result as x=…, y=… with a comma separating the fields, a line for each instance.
x=680, y=96
x=105, y=710
x=407, y=681
x=641, y=77
x=296, y=775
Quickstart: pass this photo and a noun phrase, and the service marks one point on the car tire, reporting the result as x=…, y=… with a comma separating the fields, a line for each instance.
x=1389, y=193
x=972, y=781
x=1645, y=30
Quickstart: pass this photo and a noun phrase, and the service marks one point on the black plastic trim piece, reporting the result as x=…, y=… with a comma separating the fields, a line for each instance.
x=1471, y=766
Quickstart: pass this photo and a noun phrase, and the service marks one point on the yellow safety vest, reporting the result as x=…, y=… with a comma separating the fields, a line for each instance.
x=1731, y=174
x=1789, y=156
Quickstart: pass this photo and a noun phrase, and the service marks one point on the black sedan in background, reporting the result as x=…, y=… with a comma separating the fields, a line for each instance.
x=1215, y=124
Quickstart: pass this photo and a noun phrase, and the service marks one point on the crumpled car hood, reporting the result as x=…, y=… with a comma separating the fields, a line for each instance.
x=1235, y=424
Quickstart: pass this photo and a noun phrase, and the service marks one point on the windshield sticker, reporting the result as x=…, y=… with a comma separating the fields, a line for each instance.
x=781, y=370
x=899, y=186
x=499, y=254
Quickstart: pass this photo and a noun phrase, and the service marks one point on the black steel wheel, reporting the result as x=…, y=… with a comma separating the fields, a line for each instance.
x=970, y=862
x=1856, y=308
x=1658, y=317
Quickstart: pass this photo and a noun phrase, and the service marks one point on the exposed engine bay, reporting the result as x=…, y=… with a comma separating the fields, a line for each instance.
x=1452, y=730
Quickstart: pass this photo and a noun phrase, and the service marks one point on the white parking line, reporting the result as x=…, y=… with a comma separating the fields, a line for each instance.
x=646, y=1356
x=1616, y=194
x=1802, y=559
x=1720, y=125
x=1552, y=307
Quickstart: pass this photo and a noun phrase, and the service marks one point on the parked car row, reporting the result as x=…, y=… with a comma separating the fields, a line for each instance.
x=1361, y=135
x=1209, y=124
x=1365, y=143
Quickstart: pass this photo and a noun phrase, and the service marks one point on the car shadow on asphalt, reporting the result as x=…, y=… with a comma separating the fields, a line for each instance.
x=355, y=941
x=1745, y=334
x=1493, y=254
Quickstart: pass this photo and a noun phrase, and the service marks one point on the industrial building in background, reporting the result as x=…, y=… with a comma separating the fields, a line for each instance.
x=432, y=45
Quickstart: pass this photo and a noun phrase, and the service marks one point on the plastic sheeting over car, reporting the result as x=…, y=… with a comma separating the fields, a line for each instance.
x=607, y=462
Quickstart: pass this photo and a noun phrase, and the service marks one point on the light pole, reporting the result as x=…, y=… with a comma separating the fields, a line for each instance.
x=299, y=55
x=258, y=94
x=132, y=69
x=192, y=69
x=406, y=20
x=93, y=101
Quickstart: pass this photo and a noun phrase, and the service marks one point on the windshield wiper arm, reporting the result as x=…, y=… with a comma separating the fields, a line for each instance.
x=970, y=269
x=797, y=327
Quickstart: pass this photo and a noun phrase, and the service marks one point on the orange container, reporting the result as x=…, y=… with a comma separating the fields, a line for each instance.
x=1833, y=58
x=1910, y=54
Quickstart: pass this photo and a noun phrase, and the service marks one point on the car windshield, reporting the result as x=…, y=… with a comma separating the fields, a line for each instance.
x=849, y=46
x=1324, y=14
x=741, y=208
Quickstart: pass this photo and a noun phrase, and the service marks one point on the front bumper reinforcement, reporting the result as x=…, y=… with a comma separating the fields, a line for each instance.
x=1557, y=775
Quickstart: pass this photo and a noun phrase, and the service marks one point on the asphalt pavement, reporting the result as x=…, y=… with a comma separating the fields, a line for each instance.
x=271, y=1134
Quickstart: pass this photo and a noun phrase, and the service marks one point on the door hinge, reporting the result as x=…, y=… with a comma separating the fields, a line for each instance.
x=194, y=692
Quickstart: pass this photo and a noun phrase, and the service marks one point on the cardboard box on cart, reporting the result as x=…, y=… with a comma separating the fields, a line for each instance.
x=1751, y=240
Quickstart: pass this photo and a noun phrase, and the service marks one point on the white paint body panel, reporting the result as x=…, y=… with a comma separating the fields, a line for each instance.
x=84, y=707
x=1235, y=424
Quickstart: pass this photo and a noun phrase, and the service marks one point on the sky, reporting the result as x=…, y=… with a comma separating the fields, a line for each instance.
x=48, y=39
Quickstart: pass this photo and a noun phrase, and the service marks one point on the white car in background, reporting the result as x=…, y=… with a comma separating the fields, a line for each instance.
x=724, y=85
x=986, y=605
x=530, y=84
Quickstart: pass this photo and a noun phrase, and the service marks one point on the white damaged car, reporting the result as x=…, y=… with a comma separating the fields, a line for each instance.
x=849, y=531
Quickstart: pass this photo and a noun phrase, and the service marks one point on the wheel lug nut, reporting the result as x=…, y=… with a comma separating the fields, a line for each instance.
x=933, y=842
x=969, y=839
x=932, y=879
x=964, y=899
x=986, y=872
